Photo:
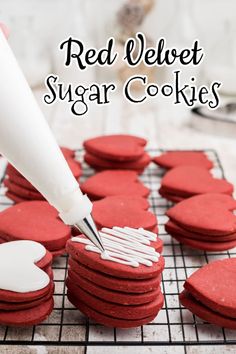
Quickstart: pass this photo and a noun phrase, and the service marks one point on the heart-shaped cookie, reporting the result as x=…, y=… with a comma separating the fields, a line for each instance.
x=99, y=163
x=206, y=214
x=110, y=182
x=19, y=273
x=34, y=220
x=121, y=211
x=126, y=284
x=173, y=159
x=120, y=259
x=186, y=181
x=214, y=285
x=116, y=147
x=198, y=309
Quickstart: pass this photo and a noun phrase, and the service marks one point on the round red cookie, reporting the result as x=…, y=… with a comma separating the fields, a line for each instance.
x=116, y=147
x=173, y=159
x=98, y=162
x=111, y=295
x=210, y=214
x=173, y=228
x=122, y=211
x=204, y=312
x=27, y=317
x=135, y=286
x=132, y=312
x=107, y=320
x=214, y=285
x=114, y=182
x=186, y=181
x=36, y=221
x=93, y=260
x=205, y=245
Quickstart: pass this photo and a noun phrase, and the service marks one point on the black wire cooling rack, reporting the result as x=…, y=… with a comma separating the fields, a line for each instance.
x=174, y=324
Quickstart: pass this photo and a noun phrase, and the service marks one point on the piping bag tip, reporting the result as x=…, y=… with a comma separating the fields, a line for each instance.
x=88, y=228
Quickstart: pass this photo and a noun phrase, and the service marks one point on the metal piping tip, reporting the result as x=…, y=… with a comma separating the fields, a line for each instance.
x=89, y=229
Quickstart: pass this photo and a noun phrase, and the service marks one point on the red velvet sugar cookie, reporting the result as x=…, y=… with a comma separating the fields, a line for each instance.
x=198, y=309
x=111, y=295
x=110, y=282
x=21, y=191
x=214, y=285
x=139, y=258
x=26, y=291
x=34, y=220
x=17, y=177
x=21, y=279
x=121, y=211
x=205, y=245
x=210, y=214
x=132, y=312
x=98, y=162
x=20, y=305
x=130, y=258
x=108, y=320
x=173, y=228
x=15, y=198
x=27, y=317
x=68, y=153
x=186, y=181
x=173, y=159
x=114, y=182
x=170, y=196
x=116, y=147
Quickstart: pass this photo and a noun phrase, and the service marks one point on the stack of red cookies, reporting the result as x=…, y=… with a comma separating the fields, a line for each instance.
x=26, y=283
x=186, y=181
x=36, y=221
x=210, y=293
x=119, y=152
x=204, y=222
x=188, y=175
x=20, y=189
x=121, y=287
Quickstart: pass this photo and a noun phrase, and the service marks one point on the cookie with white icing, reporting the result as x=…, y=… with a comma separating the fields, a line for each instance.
x=130, y=253
x=124, y=291
x=26, y=290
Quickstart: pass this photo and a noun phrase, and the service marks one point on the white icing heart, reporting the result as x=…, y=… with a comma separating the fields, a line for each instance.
x=125, y=245
x=17, y=269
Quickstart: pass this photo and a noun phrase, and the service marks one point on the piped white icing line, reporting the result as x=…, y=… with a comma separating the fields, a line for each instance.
x=17, y=269
x=125, y=245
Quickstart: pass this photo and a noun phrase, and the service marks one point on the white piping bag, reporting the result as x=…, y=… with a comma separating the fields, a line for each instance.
x=29, y=145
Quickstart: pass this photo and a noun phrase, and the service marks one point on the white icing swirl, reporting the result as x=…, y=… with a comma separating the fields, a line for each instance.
x=125, y=245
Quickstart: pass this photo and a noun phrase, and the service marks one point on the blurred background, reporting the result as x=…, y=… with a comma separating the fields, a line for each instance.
x=37, y=27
